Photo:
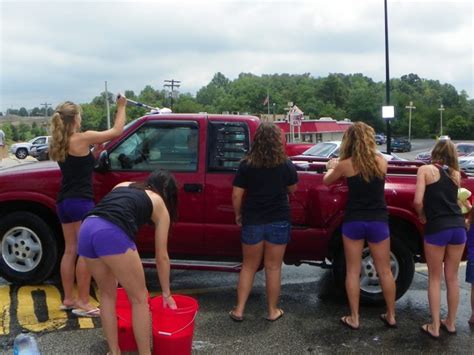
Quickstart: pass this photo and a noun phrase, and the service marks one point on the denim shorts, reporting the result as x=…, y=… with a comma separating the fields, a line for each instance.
x=274, y=232
x=73, y=209
x=454, y=236
x=470, y=272
x=99, y=237
x=373, y=231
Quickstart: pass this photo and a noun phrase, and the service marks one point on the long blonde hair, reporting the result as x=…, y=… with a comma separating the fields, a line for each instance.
x=358, y=143
x=267, y=149
x=62, y=128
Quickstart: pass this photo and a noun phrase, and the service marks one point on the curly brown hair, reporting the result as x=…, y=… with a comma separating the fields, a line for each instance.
x=358, y=143
x=267, y=150
x=62, y=127
x=444, y=153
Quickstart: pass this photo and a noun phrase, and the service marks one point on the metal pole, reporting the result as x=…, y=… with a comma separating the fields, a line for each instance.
x=387, y=80
x=410, y=107
x=441, y=109
x=107, y=105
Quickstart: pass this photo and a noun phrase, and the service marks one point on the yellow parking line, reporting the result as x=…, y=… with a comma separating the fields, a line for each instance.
x=26, y=309
x=4, y=310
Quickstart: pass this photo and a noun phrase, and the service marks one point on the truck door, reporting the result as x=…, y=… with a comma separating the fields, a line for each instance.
x=173, y=145
x=227, y=144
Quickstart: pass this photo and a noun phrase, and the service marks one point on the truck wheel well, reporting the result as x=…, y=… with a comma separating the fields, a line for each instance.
x=408, y=233
x=41, y=211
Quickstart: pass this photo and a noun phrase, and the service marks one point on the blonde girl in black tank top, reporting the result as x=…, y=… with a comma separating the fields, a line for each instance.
x=71, y=149
x=365, y=217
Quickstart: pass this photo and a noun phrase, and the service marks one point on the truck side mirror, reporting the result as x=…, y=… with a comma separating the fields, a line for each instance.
x=103, y=162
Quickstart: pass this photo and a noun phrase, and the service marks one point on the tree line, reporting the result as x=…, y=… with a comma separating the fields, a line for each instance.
x=339, y=96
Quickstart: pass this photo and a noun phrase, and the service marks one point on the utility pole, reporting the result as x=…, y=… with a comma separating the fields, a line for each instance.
x=107, y=105
x=410, y=107
x=172, y=84
x=45, y=109
x=441, y=109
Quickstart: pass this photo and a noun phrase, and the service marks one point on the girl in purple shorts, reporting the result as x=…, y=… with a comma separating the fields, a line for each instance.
x=107, y=243
x=445, y=235
x=70, y=148
x=365, y=217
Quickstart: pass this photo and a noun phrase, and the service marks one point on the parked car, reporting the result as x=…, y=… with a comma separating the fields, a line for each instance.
x=40, y=152
x=401, y=145
x=22, y=149
x=321, y=150
x=463, y=149
x=466, y=163
x=380, y=139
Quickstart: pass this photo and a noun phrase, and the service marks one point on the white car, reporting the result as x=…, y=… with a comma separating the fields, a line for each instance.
x=466, y=163
x=22, y=149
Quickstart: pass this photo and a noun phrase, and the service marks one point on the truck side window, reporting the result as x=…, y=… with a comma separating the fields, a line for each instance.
x=166, y=146
x=228, y=143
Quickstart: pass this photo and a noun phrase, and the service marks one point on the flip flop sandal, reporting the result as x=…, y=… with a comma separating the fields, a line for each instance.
x=278, y=317
x=383, y=318
x=444, y=327
x=93, y=313
x=425, y=329
x=63, y=307
x=234, y=317
x=344, y=321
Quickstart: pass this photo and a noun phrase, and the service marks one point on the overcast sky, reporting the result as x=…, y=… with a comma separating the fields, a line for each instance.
x=53, y=51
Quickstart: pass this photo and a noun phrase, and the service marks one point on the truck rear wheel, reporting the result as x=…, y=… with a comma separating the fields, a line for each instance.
x=403, y=269
x=29, y=251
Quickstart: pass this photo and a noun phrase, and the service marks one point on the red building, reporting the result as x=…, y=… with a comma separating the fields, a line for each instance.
x=314, y=131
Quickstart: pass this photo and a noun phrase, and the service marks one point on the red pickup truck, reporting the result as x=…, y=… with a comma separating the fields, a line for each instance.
x=203, y=152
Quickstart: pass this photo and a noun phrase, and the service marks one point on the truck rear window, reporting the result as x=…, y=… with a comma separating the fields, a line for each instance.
x=228, y=143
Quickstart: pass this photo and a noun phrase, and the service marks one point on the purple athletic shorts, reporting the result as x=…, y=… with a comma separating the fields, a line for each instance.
x=73, y=209
x=373, y=231
x=453, y=236
x=99, y=237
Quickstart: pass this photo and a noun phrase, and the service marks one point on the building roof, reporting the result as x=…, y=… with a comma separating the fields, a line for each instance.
x=317, y=126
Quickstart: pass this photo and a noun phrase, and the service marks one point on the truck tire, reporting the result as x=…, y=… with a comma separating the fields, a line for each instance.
x=21, y=153
x=403, y=269
x=28, y=249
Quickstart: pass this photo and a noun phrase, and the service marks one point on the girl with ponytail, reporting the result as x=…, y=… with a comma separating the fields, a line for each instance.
x=365, y=217
x=70, y=148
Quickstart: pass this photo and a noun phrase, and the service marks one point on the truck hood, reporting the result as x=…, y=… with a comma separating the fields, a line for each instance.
x=43, y=177
x=28, y=168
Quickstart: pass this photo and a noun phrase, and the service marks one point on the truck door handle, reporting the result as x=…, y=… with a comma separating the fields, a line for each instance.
x=193, y=187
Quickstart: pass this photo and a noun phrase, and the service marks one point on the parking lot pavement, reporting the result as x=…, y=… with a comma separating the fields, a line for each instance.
x=310, y=324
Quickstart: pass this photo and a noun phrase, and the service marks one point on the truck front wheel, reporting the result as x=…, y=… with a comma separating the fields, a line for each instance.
x=29, y=251
x=21, y=153
x=402, y=265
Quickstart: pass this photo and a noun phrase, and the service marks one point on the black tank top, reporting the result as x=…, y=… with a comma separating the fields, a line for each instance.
x=77, y=177
x=127, y=207
x=440, y=204
x=366, y=200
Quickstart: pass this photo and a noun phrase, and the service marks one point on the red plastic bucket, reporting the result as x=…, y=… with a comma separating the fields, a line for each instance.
x=123, y=308
x=173, y=329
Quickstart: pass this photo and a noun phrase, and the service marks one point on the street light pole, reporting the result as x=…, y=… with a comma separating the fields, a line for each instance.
x=441, y=109
x=387, y=80
x=410, y=107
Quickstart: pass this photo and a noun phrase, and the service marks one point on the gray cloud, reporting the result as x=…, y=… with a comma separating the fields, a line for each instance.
x=60, y=50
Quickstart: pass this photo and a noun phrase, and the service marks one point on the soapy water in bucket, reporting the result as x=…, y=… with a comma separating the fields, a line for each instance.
x=172, y=330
